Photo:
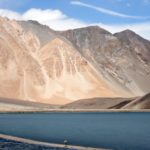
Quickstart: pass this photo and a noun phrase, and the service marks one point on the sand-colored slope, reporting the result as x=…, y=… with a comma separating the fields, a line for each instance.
x=68, y=74
x=18, y=68
x=14, y=105
x=55, y=73
x=54, y=70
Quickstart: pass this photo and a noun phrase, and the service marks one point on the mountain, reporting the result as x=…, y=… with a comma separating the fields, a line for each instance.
x=122, y=59
x=50, y=71
x=41, y=65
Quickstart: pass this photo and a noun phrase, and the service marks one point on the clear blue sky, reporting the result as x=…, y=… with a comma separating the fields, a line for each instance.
x=107, y=12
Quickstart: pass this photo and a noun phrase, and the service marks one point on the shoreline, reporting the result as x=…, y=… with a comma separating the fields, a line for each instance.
x=75, y=110
x=35, y=142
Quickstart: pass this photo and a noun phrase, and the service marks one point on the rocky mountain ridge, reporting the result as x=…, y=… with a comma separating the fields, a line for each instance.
x=42, y=65
x=122, y=58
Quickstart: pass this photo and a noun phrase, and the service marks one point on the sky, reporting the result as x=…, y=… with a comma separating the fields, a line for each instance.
x=112, y=15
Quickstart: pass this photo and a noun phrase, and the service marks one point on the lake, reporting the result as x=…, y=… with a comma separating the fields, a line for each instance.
x=115, y=130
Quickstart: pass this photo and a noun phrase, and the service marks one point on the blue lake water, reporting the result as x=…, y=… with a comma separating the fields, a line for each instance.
x=119, y=131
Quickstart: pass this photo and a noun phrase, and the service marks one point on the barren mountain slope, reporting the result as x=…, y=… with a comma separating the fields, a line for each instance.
x=42, y=32
x=138, y=55
x=139, y=103
x=68, y=74
x=52, y=71
x=42, y=65
x=98, y=103
x=123, y=59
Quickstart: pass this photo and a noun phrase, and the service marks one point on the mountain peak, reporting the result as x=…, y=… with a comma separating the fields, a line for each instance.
x=126, y=32
x=43, y=32
x=127, y=35
x=97, y=28
x=92, y=29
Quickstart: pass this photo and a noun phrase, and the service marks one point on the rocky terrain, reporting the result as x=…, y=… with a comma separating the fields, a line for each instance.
x=40, y=65
x=122, y=59
x=13, y=145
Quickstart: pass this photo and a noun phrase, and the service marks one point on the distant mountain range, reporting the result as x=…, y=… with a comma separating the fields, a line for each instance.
x=41, y=65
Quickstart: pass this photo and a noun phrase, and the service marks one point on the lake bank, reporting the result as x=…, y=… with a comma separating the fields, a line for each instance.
x=73, y=110
x=89, y=105
x=30, y=144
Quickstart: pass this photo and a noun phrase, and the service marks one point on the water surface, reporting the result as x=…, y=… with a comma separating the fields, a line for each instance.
x=120, y=131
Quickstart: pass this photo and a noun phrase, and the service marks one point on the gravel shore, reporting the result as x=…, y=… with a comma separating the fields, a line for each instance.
x=15, y=143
